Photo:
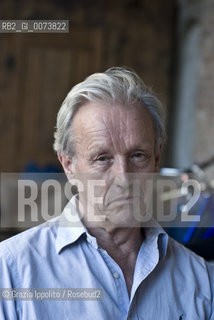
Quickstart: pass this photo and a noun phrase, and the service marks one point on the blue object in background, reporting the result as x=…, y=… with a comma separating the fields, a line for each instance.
x=49, y=168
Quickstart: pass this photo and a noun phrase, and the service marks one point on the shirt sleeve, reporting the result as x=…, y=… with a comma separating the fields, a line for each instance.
x=211, y=275
x=7, y=273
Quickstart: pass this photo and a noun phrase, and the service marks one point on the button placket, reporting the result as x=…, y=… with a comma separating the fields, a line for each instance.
x=116, y=275
x=119, y=280
x=89, y=240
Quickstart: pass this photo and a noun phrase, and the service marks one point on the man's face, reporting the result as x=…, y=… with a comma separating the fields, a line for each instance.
x=114, y=144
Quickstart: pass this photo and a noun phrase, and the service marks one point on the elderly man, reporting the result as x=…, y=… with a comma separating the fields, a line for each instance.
x=110, y=129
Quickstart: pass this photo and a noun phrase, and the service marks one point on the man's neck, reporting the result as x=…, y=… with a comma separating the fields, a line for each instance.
x=121, y=240
x=123, y=246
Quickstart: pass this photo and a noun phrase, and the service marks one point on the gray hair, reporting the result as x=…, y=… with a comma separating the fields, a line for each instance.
x=114, y=86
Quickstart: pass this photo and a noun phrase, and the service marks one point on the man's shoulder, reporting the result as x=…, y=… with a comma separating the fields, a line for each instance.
x=33, y=239
x=181, y=251
x=188, y=263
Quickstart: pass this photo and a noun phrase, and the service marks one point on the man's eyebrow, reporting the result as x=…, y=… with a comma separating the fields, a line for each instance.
x=97, y=149
x=102, y=149
x=142, y=147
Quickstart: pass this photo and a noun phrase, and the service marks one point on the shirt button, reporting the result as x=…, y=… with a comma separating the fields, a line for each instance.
x=89, y=240
x=116, y=275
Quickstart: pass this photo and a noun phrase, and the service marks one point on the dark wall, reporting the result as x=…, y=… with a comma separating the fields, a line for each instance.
x=37, y=70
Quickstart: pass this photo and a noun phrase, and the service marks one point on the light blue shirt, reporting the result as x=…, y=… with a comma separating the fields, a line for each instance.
x=170, y=282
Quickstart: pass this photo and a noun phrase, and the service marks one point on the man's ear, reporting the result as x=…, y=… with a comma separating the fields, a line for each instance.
x=67, y=164
x=157, y=157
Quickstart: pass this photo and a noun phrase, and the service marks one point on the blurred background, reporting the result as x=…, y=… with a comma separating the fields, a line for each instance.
x=169, y=43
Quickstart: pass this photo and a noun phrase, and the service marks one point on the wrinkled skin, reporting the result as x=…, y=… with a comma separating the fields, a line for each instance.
x=114, y=144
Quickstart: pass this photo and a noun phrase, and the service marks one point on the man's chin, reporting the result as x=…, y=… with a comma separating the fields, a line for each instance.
x=119, y=217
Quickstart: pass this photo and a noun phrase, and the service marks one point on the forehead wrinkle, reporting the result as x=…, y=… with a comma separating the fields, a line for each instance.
x=80, y=136
x=113, y=125
x=98, y=130
x=121, y=123
x=95, y=143
x=124, y=132
x=124, y=135
x=111, y=133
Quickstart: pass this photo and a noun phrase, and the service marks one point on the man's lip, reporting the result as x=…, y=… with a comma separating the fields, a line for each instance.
x=121, y=199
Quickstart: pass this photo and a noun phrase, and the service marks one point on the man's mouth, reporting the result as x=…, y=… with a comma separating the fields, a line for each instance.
x=121, y=200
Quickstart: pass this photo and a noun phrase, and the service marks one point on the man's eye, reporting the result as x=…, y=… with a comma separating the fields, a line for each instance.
x=101, y=158
x=138, y=155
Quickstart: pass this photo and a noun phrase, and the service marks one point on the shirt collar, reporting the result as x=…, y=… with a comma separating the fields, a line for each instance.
x=70, y=227
x=155, y=233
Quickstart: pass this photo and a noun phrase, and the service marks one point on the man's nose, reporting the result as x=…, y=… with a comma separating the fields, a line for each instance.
x=122, y=172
